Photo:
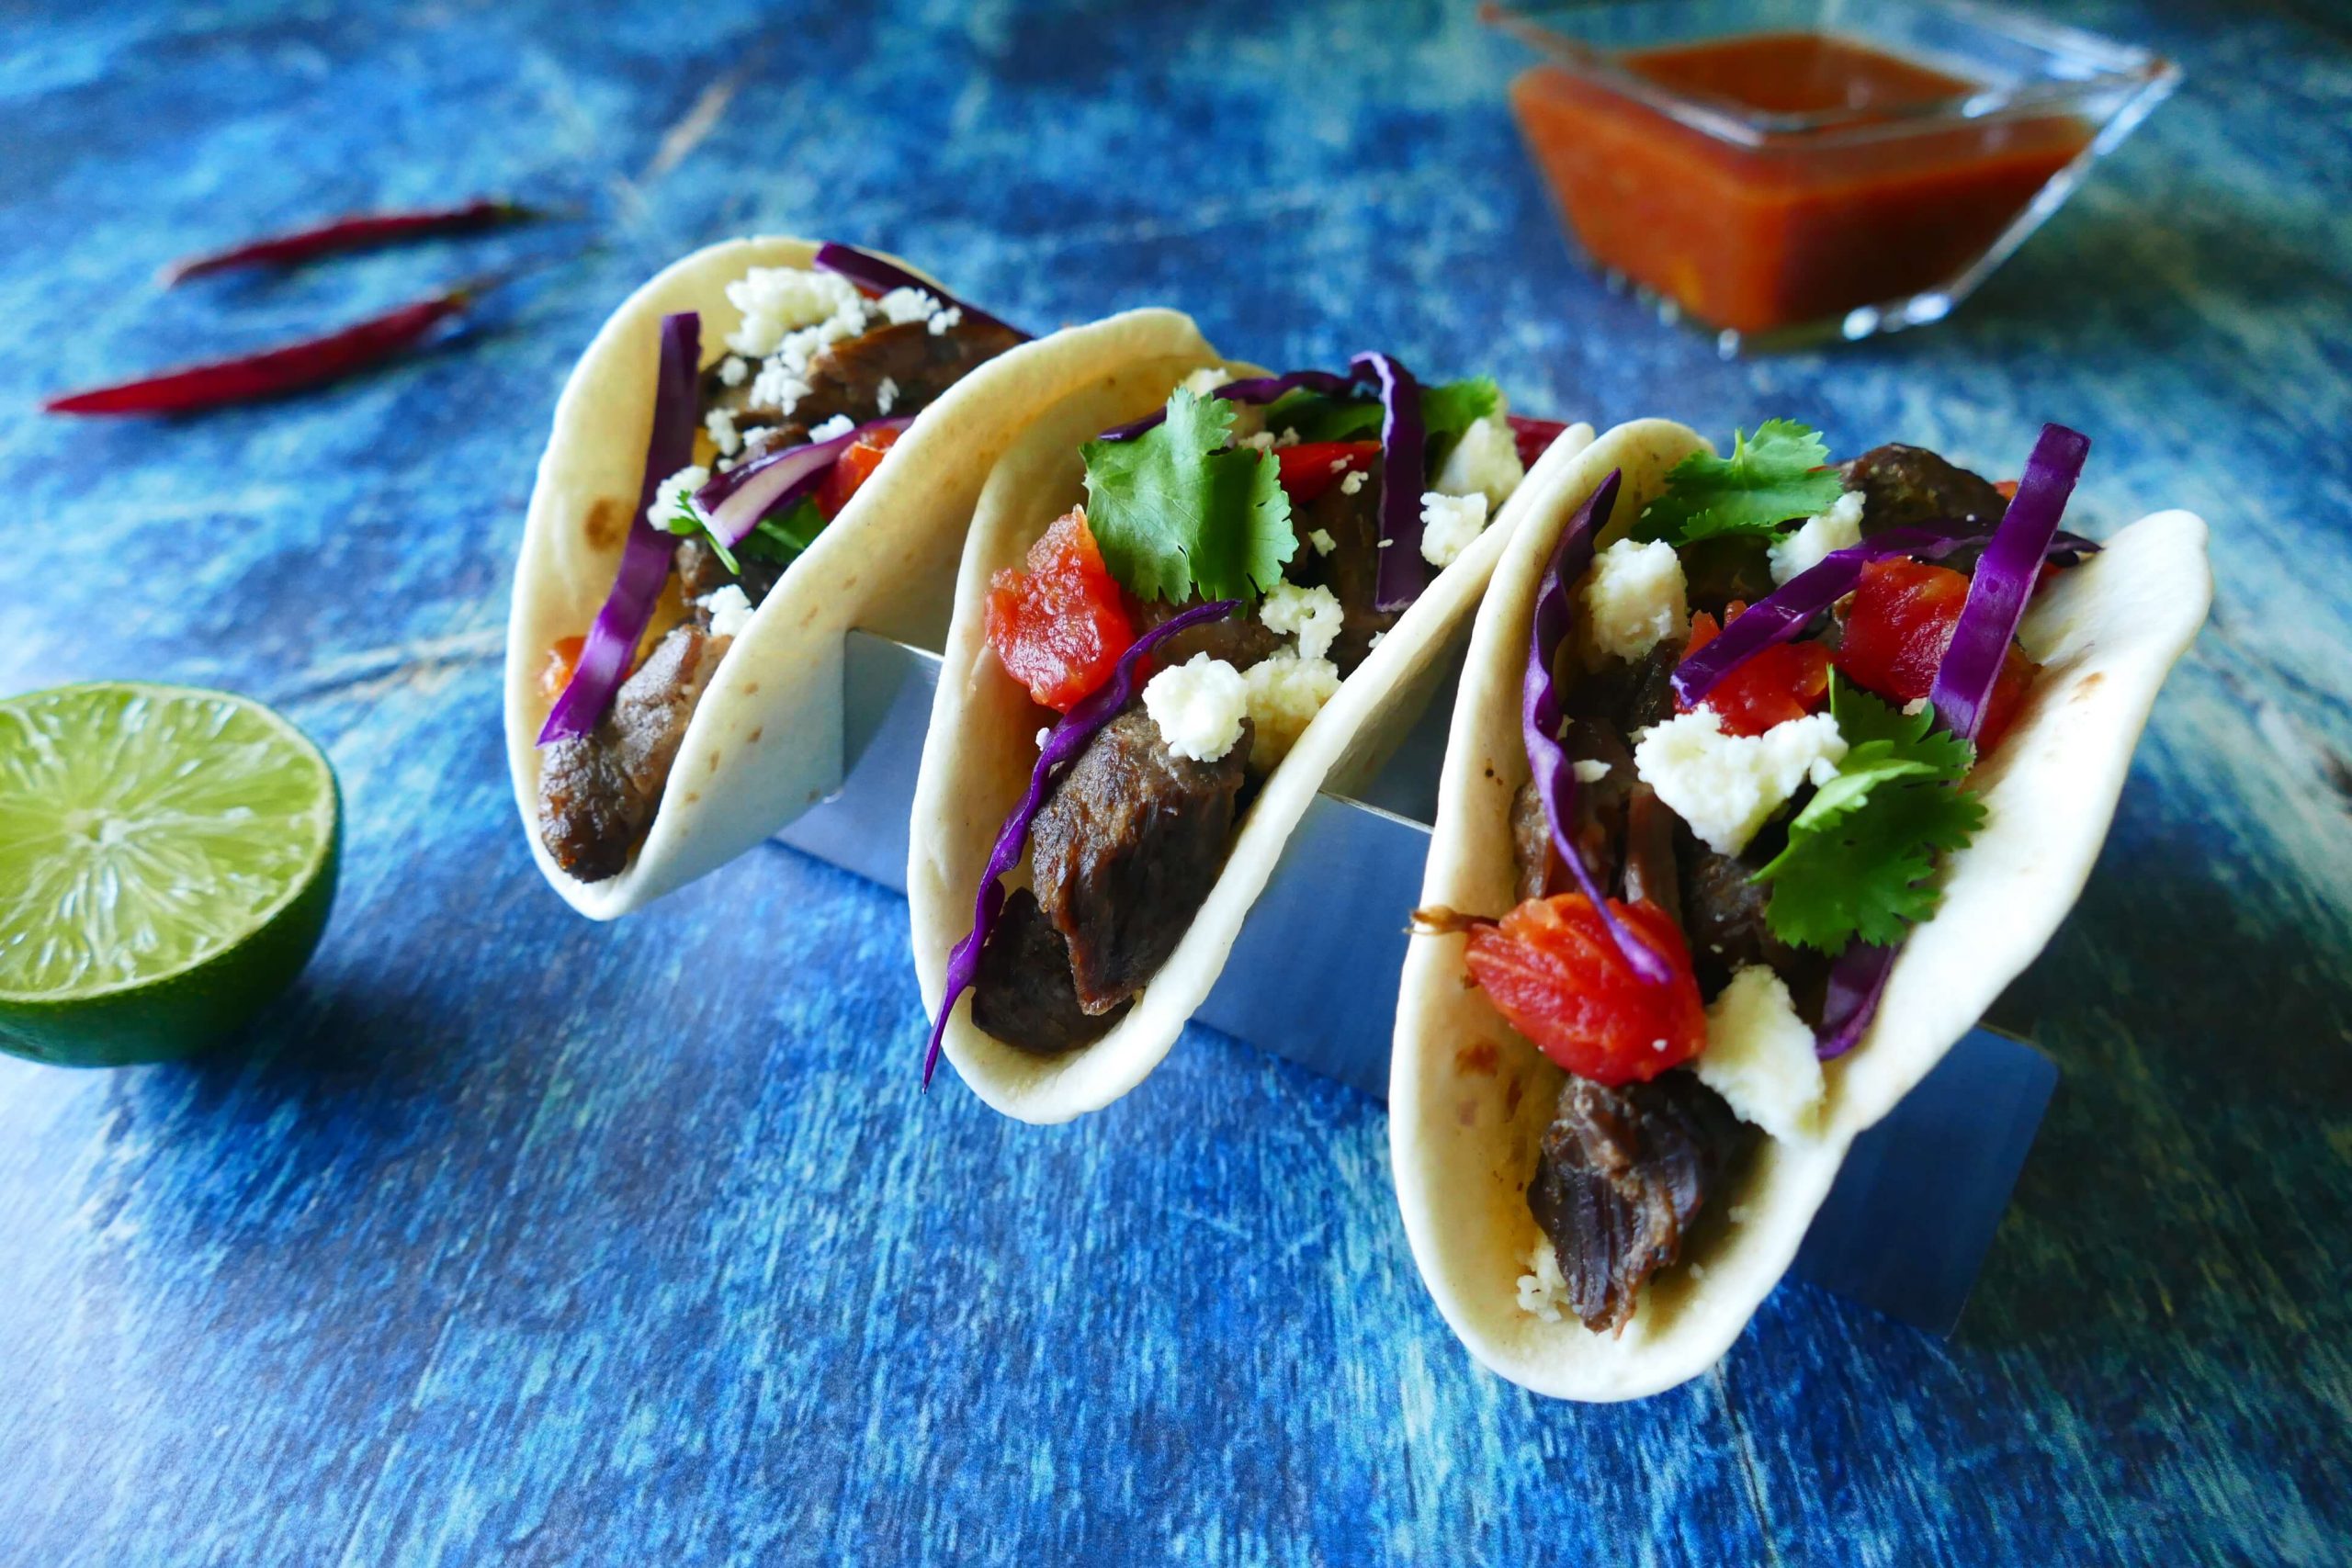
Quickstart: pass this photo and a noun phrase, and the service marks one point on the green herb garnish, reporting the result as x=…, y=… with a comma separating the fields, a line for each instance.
x=1859, y=854
x=1779, y=476
x=1447, y=409
x=1179, y=510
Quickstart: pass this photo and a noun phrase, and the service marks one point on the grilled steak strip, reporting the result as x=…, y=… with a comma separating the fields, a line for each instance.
x=598, y=790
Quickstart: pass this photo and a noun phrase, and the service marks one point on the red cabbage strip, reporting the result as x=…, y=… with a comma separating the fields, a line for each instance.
x=2005, y=579
x=737, y=500
x=1540, y=715
x=1857, y=980
x=1786, y=611
x=1404, y=465
x=1532, y=435
x=612, y=641
x=1255, y=389
x=1076, y=728
x=865, y=268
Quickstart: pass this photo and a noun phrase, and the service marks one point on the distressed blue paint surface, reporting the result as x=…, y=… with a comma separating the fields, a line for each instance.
x=509, y=1236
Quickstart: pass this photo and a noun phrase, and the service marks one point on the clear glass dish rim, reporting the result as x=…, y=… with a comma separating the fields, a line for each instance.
x=2119, y=69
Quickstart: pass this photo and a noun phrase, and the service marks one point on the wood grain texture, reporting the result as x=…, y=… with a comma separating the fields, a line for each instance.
x=511, y=1238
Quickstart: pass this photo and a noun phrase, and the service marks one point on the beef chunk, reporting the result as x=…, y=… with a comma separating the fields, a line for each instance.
x=1628, y=695
x=846, y=378
x=1622, y=1174
x=1024, y=994
x=1650, y=872
x=1240, y=640
x=598, y=792
x=1723, y=915
x=1351, y=572
x=1904, y=486
x=702, y=573
x=1124, y=850
x=1531, y=844
x=1716, y=571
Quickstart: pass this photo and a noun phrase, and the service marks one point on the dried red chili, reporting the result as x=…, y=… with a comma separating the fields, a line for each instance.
x=276, y=370
x=358, y=231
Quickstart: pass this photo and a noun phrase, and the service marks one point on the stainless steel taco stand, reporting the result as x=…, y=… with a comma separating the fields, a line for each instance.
x=1314, y=979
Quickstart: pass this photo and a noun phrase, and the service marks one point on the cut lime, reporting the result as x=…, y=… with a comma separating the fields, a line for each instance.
x=167, y=858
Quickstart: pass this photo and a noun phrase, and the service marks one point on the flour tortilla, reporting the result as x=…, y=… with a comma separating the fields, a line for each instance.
x=1464, y=1142
x=982, y=744
x=764, y=742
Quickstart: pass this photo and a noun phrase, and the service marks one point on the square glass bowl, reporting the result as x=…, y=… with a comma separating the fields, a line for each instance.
x=1783, y=171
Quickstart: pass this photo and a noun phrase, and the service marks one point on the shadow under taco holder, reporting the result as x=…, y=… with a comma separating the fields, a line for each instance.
x=1313, y=977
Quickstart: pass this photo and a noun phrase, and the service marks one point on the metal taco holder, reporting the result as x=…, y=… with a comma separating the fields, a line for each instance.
x=1905, y=1230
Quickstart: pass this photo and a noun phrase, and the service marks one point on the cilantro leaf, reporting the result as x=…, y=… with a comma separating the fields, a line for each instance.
x=1859, y=854
x=1176, y=511
x=1779, y=476
x=780, y=538
x=1452, y=407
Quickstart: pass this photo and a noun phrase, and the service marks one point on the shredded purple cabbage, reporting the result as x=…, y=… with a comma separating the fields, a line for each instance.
x=1070, y=737
x=1857, y=980
x=1257, y=390
x=1786, y=611
x=737, y=500
x=867, y=269
x=1540, y=715
x=2004, y=580
x=1404, y=465
x=612, y=641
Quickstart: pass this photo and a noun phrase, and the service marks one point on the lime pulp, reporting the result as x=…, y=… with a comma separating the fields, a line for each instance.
x=167, y=861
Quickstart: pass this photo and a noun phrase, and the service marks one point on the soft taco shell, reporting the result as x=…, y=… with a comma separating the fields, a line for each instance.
x=981, y=745
x=764, y=742
x=1464, y=1142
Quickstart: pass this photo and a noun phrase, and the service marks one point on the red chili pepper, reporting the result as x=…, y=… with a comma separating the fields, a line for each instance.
x=275, y=370
x=359, y=231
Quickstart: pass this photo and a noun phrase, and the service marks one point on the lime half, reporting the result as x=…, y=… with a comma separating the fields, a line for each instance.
x=167, y=858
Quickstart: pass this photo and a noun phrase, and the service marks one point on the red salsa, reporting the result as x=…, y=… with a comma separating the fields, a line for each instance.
x=1808, y=225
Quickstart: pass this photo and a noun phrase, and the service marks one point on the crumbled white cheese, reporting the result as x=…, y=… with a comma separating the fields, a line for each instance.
x=1310, y=615
x=1486, y=460
x=885, y=394
x=1634, y=598
x=1543, y=1290
x=1199, y=707
x=1286, y=692
x=1588, y=770
x=733, y=369
x=903, y=305
x=731, y=610
x=674, y=494
x=1914, y=708
x=1373, y=641
x=1043, y=736
x=1205, y=382
x=1759, y=1055
x=1264, y=441
x=1289, y=437
x=1834, y=529
x=838, y=425
x=946, y=318
x=777, y=300
x=1726, y=786
x=1353, y=482
x=1450, y=524
x=1322, y=541
x=720, y=422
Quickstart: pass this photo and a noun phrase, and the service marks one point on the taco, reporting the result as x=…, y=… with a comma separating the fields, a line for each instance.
x=770, y=443
x=1765, y=778
x=1169, y=634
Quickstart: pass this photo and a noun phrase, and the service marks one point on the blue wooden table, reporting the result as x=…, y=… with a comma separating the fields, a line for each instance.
x=509, y=1236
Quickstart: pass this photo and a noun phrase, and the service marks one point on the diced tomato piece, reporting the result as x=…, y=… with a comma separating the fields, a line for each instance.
x=1059, y=627
x=852, y=470
x=1784, y=681
x=1551, y=969
x=1308, y=469
x=1901, y=621
x=562, y=659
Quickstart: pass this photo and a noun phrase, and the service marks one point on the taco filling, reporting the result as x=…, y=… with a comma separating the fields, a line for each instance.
x=751, y=459
x=1239, y=554
x=1750, y=718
